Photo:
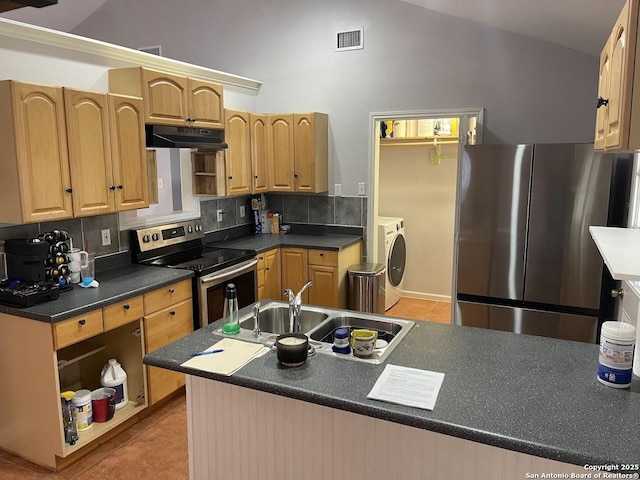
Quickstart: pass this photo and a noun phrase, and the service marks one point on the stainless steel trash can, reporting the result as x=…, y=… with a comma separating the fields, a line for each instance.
x=366, y=283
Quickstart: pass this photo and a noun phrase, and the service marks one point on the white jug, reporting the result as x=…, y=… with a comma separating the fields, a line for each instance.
x=114, y=376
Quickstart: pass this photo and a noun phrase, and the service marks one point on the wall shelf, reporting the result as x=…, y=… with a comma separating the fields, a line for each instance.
x=420, y=141
x=620, y=250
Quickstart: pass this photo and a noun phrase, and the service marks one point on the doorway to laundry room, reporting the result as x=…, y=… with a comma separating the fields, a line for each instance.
x=413, y=206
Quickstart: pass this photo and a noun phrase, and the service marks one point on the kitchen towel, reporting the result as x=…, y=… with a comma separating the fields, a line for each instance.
x=236, y=355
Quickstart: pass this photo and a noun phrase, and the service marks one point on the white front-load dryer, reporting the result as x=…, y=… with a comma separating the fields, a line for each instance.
x=392, y=252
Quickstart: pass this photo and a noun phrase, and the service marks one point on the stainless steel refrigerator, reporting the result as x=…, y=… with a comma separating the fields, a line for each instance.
x=526, y=262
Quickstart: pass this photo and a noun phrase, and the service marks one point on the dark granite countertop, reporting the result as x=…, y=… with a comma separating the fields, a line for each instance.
x=262, y=243
x=116, y=285
x=524, y=393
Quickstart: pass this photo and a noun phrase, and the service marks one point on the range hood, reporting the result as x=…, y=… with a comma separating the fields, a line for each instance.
x=166, y=136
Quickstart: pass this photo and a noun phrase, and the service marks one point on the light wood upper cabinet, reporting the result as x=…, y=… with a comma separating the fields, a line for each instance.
x=128, y=152
x=618, y=117
x=206, y=104
x=238, y=155
x=311, y=151
x=298, y=152
x=281, y=153
x=171, y=99
x=34, y=164
x=259, y=150
x=87, y=120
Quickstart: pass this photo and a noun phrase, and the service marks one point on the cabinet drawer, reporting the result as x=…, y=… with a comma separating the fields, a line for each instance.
x=76, y=329
x=323, y=257
x=165, y=296
x=165, y=326
x=122, y=313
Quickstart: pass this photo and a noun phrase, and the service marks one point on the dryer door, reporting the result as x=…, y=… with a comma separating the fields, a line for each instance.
x=397, y=259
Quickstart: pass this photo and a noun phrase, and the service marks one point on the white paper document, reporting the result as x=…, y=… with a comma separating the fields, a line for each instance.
x=407, y=386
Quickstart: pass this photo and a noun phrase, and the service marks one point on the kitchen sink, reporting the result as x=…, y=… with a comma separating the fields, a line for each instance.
x=275, y=319
x=319, y=324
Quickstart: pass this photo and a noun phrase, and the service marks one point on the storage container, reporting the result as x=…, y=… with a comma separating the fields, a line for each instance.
x=114, y=376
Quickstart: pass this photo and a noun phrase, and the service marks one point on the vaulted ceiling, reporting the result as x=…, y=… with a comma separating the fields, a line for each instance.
x=583, y=25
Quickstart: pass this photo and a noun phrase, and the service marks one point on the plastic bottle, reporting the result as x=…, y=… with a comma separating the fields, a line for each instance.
x=82, y=405
x=230, y=310
x=114, y=376
x=615, y=361
x=69, y=418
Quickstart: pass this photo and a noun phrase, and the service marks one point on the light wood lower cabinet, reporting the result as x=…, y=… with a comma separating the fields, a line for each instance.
x=168, y=317
x=269, y=282
x=327, y=269
x=39, y=360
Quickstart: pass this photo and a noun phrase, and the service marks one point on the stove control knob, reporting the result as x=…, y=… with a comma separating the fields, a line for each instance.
x=198, y=227
x=145, y=239
x=155, y=237
x=189, y=229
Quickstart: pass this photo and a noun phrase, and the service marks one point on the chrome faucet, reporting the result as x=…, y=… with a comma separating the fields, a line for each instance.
x=256, y=321
x=295, y=307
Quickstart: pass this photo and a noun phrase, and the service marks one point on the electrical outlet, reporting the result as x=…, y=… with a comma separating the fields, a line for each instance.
x=106, y=237
x=337, y=190
x=361, y=189
x=219, y=212
x=241, y=211
x=160, y=183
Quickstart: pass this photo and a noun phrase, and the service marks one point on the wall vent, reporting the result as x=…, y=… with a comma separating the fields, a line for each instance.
x=154, y=50
x=350, y=39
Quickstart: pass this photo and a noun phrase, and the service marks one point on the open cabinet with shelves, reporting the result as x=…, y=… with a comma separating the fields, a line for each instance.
x=208, y=173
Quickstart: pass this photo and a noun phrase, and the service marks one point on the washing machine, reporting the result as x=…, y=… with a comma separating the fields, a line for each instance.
x=392, y=252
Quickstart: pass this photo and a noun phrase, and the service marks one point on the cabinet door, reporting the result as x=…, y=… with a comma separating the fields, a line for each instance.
x=259, y=151
x=162, y=328
x=603, y=92
x=280, y=155
x=165, y=98
x=295, y=273
x=41, y=152
x=238, y=155
x=205, y=104
x=311, y=144
x=88, y=135
x=272, y=285
x=128, y=152
x=324, y=291
x=623, y=40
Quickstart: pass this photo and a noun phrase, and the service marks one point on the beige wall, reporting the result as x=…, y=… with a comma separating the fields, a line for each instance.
x=424, y=195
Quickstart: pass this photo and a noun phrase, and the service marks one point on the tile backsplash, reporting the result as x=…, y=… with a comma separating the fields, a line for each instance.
x=294, y=208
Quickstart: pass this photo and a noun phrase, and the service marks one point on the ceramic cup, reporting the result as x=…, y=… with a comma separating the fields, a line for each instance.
x=77, y=260
x=363, y=342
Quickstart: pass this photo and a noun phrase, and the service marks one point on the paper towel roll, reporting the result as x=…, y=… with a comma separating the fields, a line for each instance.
x=399, y=128
x=412, y=128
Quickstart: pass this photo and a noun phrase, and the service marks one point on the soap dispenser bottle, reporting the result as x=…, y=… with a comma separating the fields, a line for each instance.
x=230, y=315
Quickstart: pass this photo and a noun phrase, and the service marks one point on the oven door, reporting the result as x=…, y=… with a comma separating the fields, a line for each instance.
x=211, y=289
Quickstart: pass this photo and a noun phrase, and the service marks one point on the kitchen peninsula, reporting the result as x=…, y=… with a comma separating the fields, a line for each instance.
x=509, y=405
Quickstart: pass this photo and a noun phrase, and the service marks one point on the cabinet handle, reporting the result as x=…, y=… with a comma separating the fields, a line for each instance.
x=295, y=175
x=69, y=190
x=172, y=313
x=256, y=177
x=602, y=102
x=322, y=254
x=112, y=188
x=126, y=307
x=82, y=322
x=171, y=290
x=266, y=269
x=230, y=178
x=120, y=187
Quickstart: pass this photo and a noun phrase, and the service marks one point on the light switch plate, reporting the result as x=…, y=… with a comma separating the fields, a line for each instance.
x=361, y=189
x=219, y=212
x=160, y=183
x=337, y=190
x=242, y=211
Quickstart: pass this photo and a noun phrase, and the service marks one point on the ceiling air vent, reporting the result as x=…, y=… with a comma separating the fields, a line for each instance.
x=154, y=50
x=350, y=39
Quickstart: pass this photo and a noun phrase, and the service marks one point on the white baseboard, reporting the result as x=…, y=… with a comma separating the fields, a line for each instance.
x=426, y=296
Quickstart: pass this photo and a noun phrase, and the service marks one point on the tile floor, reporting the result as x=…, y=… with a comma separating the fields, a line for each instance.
x=417, y=309
x=156, y=447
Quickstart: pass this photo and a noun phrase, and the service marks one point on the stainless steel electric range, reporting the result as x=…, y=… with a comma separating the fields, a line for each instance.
x=181, y=245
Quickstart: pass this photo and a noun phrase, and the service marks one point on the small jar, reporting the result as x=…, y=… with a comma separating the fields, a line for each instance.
x=615, y=360
x=341, y=341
